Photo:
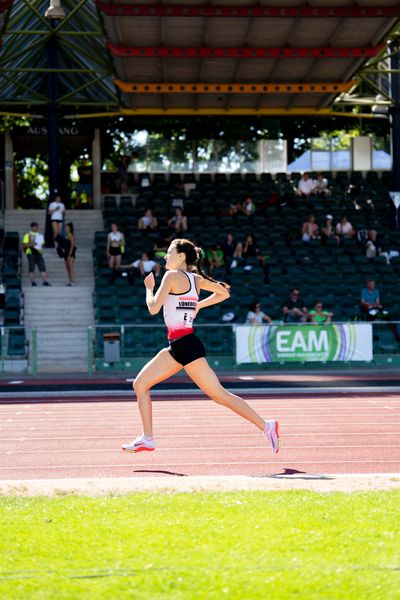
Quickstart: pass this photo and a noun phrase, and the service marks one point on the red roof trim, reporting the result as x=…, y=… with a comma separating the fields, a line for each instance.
x=166, y=10
x=5, y=5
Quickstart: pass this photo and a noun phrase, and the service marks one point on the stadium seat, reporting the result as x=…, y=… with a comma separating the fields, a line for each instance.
x=16, y=342
x=387, y=342
x=110, y=202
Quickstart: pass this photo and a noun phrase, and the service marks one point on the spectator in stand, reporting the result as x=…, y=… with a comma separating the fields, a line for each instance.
x=321, y=185
x=138, y=268
x=115, y=247
x=306, y=186
x=294, y=309
x=57, y=215
x=67, y=250
x=148, y=221
x=256, y=316
x=344, y=229
x=248, y=209
x=310, y=229
x=373, y=248
x=161, y=246
x=328, y=231
x=178, y=222
x=228, y=248
x=235, y=208
x=215, y=257
x=146, y=265
x=319, y=315
x=248, y=249
x=32, y=245
x=70, y=253
x=371, y=306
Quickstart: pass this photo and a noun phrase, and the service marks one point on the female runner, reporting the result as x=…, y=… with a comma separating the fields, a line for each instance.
x=179, y=295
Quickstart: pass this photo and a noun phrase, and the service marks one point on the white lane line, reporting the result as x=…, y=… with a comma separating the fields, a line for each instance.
x=184, y=412
x=180, y=405
x=202, y=464
x=198, y=396
x=268, y=391
x=228, y=419
x=213, y=425
x=198, y=401
x=195, y=436
x=200, y=406
x=195, y=449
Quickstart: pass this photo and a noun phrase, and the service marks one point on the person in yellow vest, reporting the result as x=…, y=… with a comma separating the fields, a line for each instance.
x=32, y=245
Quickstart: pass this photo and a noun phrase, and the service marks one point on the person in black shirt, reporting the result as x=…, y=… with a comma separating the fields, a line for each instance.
x=293, y=309
x=228, y=248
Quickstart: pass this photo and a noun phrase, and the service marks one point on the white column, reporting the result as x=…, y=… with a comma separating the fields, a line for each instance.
x=8, y=170
x=260, y=162
x=96, y=162
x=361, y=153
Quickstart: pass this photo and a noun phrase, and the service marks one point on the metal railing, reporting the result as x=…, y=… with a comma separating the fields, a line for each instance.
x=128, y=347
x=125, y=347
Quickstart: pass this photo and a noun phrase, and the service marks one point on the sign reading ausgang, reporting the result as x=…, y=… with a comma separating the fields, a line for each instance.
x=304, y=343
x=42, y=130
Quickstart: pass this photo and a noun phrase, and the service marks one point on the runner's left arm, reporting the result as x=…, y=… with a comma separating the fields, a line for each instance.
x=218, y=293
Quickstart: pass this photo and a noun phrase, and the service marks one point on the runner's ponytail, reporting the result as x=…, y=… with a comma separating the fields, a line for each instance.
x=198, y=267
x=194, y=259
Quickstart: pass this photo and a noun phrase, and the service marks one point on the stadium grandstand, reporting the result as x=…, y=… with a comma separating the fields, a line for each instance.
x=86, y=69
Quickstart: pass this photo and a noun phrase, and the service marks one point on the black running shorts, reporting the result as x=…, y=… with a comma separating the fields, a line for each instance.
x=187, y=349
x=36, y=259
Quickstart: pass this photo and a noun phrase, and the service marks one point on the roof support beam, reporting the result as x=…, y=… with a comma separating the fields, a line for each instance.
x=233, y=88
x=208, y=10
x=22, y=86
x=27, y=52
x=55, y=70
x=83, y=87
x=69, y=16
x=71, y=33
x=37, y=13
x=206, y=52
x=275, y=112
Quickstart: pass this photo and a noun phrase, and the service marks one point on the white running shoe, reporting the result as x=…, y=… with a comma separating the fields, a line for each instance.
x=272, y=435
x=141, y=444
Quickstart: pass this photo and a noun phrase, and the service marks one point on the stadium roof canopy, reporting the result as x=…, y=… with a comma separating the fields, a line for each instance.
x=193, y=57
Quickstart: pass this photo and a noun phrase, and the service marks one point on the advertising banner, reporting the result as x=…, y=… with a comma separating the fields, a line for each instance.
x=303, y=343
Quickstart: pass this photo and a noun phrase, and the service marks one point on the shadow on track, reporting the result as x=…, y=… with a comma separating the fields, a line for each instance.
x=159, y=471
x=294, y=474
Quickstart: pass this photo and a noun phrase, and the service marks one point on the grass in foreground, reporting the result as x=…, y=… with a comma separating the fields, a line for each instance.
x=267, y=545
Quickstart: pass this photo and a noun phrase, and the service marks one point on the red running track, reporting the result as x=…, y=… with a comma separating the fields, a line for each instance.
x=320, y=435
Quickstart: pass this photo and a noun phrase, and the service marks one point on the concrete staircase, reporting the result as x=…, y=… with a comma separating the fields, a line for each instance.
x=60, y=314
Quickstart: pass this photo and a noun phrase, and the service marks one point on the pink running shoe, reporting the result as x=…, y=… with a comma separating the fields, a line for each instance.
x=141, y=444
x=272, y=435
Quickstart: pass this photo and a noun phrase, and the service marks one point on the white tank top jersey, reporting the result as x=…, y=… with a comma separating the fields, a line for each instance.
x=179, y=310
x=115, y=236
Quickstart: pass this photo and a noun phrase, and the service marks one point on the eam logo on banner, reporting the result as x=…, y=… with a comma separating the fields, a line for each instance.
x=303, y=343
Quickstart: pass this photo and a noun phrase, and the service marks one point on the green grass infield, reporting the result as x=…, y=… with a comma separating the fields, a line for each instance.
x=266, y=545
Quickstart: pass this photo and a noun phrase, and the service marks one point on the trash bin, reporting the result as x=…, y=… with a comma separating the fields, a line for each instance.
x=112, y=352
